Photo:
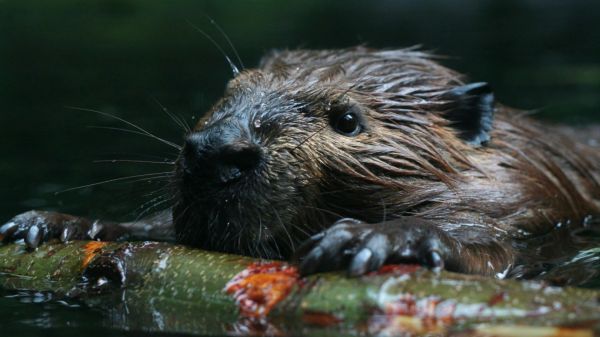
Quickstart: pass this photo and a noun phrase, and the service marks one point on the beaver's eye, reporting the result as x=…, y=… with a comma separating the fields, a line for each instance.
x=348, y=124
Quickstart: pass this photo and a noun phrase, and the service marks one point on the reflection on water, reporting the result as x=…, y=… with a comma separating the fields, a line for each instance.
x=27, y=313
x=572, y=255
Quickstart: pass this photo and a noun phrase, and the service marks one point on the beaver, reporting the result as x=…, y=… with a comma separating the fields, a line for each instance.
x=354, y=158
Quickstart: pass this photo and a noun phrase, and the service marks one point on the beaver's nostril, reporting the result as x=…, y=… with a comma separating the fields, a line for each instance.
x=224, y=162
x=228, y=174
x=235, y=159
x=240, y=154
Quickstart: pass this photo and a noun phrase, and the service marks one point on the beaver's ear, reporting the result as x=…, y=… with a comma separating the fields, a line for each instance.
x=471, y=112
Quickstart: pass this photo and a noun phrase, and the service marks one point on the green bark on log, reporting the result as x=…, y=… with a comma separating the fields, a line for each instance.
x=164, y=287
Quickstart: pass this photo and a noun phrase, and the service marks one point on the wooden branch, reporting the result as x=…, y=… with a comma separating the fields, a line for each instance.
x=159, y=286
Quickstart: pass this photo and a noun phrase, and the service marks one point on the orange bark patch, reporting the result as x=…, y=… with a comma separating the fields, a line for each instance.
x=409, y=315
x=432, y=310
x=496, y=298
x=322, y=319
x=90, y=251
x=259, y=287
x=396, y=269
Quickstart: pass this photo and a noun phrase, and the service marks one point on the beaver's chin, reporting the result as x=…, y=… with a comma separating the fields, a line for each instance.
x=241, y=234
x=230, y=227
x=253, y=216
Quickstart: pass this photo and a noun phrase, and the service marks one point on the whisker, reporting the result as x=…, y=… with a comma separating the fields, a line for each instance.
x=153, y=157
x=144, y=131
x=234, y=69
x=235, y=52
x=154, y=206
x=146, y=203
x=324, y=210
x=117, y=129
x=134, y=161
x=299, y=228
x=349, y=189
x=307, y=138
x=279, y=255
x=384, y=209
x=177, y=119
x=291, y=246
x=112, y=180
x=259, y=244
x=165, y=189
x=239, y=241
x=151, y=179
x=345, y=92
x=182, y=214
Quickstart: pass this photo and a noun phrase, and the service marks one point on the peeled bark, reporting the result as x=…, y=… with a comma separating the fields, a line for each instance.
x=164, y=287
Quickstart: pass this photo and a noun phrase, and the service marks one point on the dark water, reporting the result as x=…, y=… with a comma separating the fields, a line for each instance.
x=119, y=56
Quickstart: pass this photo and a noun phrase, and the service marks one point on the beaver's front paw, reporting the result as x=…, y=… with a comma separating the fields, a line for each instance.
x=361, y=247
x=36, y=227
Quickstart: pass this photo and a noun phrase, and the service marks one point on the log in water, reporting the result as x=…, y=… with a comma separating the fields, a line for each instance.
x=162, y=287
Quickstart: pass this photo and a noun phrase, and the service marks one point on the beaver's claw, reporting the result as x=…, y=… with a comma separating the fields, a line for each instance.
x=361, y=247
x=36, y=227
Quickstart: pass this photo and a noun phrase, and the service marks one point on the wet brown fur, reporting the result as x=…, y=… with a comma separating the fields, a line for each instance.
x=410, y=160
x=509, y=207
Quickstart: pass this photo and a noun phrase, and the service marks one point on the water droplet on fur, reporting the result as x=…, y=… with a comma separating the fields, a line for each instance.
x=587, y=222
x=101, y=281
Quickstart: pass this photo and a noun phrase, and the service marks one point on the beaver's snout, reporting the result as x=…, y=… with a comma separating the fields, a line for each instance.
x=220, y=156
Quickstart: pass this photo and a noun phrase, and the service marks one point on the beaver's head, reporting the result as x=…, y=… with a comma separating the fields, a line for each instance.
x=313, y=136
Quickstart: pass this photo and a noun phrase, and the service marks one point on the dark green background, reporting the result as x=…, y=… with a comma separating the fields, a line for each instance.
x=119, y=55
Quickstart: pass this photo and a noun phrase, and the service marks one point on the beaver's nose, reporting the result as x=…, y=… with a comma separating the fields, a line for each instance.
x=235, y=159
x=222, y=161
